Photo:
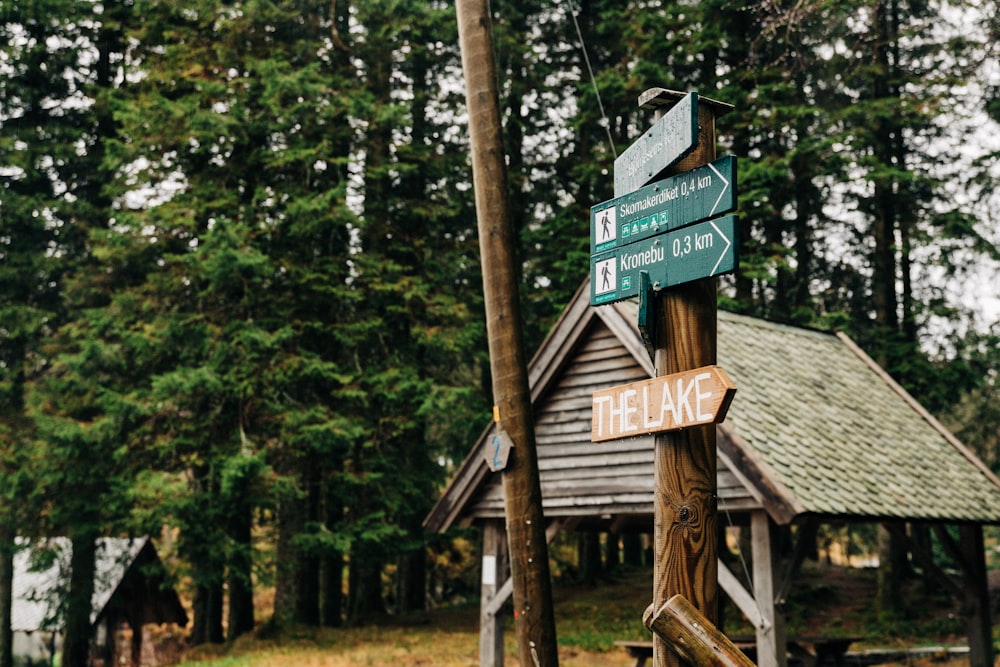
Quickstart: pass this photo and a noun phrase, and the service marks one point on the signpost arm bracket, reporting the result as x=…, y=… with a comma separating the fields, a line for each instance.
x=647, y=314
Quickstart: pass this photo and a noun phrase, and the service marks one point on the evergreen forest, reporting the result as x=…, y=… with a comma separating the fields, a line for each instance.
x=240, y=291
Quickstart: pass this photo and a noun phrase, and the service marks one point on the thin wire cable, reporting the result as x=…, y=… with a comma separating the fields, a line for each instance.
x=593, y=81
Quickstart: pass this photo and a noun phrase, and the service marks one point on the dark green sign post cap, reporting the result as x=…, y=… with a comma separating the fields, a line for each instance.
x=669, y=204
x=691, y=253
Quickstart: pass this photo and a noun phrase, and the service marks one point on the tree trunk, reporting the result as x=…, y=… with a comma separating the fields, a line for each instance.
x=632, y=548
x=76, y=643
x=307, y=575
x=241, y=613
x=291, y=519
x=333, y=594
x=203, y=546
x=307, y=589
x=206, y=628
x=612, y=553
x=332, y=562
x=6, y=591
x=886, y=220
x=887, y=600
x=411, y=576
x=589, y=556
x=365, y=585
x=976, y=598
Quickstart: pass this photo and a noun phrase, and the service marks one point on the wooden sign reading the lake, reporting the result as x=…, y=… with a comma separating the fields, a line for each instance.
x=668, y=403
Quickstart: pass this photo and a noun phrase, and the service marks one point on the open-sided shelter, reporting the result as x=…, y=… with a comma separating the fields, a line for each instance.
x=128, y=587
x=817, y=432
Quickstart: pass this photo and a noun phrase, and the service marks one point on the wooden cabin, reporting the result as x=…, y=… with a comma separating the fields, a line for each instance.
x=817, y=432
x=128, y=594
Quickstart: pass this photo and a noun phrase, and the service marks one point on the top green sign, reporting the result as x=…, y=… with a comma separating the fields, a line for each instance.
x=669, y=139
x=657, y=208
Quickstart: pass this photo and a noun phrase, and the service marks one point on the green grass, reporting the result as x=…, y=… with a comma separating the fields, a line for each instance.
x=589, y=619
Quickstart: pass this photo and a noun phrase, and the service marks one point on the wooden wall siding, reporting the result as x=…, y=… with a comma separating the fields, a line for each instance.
x=583, y=478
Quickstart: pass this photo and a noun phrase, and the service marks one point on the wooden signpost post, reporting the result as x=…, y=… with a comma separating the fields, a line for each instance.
x=671, y=269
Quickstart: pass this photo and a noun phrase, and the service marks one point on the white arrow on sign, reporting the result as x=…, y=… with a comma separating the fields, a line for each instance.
x=719, y=198
x=724, y=250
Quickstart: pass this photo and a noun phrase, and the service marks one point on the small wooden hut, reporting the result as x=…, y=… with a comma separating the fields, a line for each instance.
x=127, y=590
x=817, y=432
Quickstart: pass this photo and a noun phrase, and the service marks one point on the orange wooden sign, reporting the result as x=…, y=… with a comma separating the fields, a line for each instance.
x=668, y=403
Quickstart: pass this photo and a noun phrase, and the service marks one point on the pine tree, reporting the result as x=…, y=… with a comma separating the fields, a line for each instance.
x=284, y=330
x=415, y=276
x=252, y=276
x=55, y=129
x=27, y=302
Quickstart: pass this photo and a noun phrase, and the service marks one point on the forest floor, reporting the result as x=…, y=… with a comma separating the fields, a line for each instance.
x=825, y=601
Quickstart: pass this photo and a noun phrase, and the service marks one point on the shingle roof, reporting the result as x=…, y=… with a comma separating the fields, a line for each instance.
x=839, y=434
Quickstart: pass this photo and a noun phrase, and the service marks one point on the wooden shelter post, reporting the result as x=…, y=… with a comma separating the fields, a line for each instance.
x=685, y=513
x=976, y=603
x=771, y=630
x=494, y=571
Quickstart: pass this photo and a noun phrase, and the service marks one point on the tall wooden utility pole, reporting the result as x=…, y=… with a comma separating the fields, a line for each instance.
x=684, y=513
x=529, y=560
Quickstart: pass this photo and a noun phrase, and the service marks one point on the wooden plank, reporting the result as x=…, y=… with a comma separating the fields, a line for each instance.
x=595, y=462
x=550, y=357
x=610, y=349
x=594, y=448
x=637, y=505
x=584, y=358
x=560, y=439
x=596, y=353
x=617, y=505
x=622, y=318
x=583, y=480
x=562, y=417
x=572, y=398
x=742, y=505
x=601, y=339
x=605, y=358
x=618, y=353
x=606, y=370
x=727, y=480
x=603, y=503
x=563, y=435
x=565, y=491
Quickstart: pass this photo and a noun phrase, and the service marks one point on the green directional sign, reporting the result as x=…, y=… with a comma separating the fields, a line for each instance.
x=691, y=253
x=659, y=207
x=669, y=139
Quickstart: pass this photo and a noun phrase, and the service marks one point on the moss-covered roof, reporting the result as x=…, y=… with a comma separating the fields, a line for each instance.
x=839, y=434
